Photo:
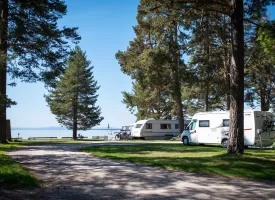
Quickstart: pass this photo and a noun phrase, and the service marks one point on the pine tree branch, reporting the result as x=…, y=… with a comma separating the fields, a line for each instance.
x=207, y=2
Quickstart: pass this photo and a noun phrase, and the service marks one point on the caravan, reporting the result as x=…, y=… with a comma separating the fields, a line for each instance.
x=213, y=127
x=156, y=129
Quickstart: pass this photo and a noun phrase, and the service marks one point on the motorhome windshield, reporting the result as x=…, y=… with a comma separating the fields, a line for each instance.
x=138, y=125
x=192, y=125
x=125, y=128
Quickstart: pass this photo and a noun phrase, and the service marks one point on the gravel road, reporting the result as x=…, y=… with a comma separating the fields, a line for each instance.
x=66, y=173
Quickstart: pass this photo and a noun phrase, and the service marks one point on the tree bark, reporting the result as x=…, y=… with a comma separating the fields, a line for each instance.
x=265, y=102
x=226, y=63
x=236, y=130
x=206, y=101
x=176, y=76
x=3, y=67
x=227, y=78
x=206, y=92
x=75, y=119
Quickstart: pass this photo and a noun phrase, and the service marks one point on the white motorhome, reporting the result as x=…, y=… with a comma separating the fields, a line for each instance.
x=156, y=129
x=213, y=127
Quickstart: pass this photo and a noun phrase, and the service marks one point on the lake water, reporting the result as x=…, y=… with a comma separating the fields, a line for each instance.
x=25, y=134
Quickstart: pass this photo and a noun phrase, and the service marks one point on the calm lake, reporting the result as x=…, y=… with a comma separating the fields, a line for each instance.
x=25, y=134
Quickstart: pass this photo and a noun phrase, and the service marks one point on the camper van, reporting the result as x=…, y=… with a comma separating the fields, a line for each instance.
x=213, y=127
x=156, y=129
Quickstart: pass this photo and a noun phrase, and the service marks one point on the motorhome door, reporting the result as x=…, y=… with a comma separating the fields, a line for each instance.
x=203, y=131
x=193, y=134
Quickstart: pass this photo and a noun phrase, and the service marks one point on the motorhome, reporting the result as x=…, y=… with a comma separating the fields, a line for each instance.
x=213, y=127
x=156, y=129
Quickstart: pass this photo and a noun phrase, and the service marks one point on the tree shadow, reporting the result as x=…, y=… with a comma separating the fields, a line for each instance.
x=67, y=174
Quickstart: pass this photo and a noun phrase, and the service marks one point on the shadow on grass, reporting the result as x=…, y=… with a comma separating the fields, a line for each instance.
x=80, y=176
x=253, y=164
x=13, y=174
x=148, y=148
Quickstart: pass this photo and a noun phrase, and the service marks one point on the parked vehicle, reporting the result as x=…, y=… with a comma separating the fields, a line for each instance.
x=156, y=129
x=124, y=133
x=126, y=128
x=213, y=127
x=123, y=136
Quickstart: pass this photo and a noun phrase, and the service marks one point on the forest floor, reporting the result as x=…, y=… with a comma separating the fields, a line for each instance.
x=65, y=172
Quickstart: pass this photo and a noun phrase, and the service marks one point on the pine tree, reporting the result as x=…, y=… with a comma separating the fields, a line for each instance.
x=259, y=79
x=29, y=35
x=206, y=60
x=149, y=102
x=154, y=36
x=74, y=98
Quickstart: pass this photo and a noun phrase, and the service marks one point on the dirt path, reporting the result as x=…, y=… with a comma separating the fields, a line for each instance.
x=66, y=173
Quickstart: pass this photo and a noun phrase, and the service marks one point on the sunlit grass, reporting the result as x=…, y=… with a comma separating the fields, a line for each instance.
x=13, y=174
x=254, y=164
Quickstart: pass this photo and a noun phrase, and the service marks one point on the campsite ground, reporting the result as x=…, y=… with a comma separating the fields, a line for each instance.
x=254, y=164
x=64, y=172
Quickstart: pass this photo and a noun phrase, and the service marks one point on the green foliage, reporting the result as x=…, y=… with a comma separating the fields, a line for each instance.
x=205, y=35
x=39, y=47
x=255, y=164
x=153, y=60
x=148, y=102
x=208, y=50
x=267, y=39
x=74, y=98
x=259, y=78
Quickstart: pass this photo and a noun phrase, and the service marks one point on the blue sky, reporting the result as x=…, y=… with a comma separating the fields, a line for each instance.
x=105, y=27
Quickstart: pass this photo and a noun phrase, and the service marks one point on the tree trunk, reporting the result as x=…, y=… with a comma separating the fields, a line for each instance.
x=236, y=130
x=206, y=101
x=207, y=48
x=176, y=76
x=3, y=67
x=265, y=102
x=179, y=110
x=226, y=63
x=227, y=78
x=8, y=131
x=75, y=119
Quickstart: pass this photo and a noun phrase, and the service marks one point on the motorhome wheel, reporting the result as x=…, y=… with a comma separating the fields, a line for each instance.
x=117, y=137
x=225, y=143
x=185, y=141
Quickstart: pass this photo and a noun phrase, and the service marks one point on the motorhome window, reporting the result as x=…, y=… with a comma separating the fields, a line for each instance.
x=176, y=126
x=225, y=122
x=138, y=125
x=165, y=126
x=148, y=126
x=204, y=123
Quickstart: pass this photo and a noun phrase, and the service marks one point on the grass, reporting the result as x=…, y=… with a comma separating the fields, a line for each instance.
x=53, y=141
x=13, y=174
x=82, y=141
x=254, y=164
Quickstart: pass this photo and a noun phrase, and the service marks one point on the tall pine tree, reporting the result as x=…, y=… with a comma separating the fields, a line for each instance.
x=74, y=98
x=29, y=35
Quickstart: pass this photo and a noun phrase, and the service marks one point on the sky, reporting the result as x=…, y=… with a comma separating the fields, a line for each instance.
x=105, y=27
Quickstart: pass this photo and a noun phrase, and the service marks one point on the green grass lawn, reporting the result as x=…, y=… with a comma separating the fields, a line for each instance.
x=13, y=174
x=54, y=141
x=254, y=164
